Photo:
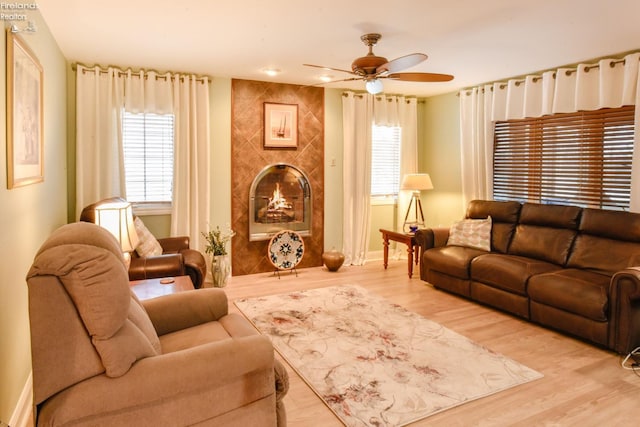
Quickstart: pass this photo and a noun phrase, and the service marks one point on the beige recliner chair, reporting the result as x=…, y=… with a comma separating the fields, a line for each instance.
x=103, y=358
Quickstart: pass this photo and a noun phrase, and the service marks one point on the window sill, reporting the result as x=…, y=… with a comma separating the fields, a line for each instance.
x=383, y=200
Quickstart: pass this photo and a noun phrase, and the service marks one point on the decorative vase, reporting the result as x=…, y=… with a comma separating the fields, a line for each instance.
x=220, y=270
x=333, y=259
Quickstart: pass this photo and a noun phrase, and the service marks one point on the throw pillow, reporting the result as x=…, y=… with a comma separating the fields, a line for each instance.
x=471, y=233
x=148, y=245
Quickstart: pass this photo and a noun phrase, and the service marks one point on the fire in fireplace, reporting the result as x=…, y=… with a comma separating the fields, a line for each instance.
x=279, y=199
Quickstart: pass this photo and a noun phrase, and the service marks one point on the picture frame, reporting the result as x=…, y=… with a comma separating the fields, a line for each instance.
x=25, y=142
x=280, y=125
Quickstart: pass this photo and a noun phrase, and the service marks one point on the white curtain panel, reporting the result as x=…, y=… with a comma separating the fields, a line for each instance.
x=610, y=83
x=192, y=166
x=101, y=95
x=401, y=112
x=99, y=155
x=357, y=119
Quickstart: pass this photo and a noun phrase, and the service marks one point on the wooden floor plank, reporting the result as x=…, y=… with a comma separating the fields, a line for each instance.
x=583, y=384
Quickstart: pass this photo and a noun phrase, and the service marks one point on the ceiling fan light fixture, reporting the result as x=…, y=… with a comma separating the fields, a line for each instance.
x=374, y=86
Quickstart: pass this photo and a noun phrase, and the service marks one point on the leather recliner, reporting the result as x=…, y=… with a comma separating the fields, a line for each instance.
x=177, y=257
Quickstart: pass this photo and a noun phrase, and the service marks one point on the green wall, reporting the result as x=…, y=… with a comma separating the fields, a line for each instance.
x=28, y=215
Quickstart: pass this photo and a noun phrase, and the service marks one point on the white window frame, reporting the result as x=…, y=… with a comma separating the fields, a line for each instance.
x=391, y=137
x=163, y=140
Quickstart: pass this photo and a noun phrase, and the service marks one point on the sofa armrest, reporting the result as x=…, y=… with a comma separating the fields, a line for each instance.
x=172, y=245
x=428, y=238
x=624, y=322
x=170, y=313
x=158, y=386
x=156, y=266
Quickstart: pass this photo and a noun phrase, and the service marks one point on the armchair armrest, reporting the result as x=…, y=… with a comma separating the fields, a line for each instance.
x=170, y=313
x=158, y=386
x=624, y=322
x=156, y=266
x=174, y=244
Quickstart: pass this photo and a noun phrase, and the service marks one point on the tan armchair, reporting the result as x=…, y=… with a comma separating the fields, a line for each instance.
x=102, y=358
x=177, y=257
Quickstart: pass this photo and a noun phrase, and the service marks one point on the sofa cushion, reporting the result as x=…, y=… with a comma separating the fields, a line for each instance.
x=581, y=292
x=504, y=216
x=471, y=233
x=603, y=255
x=451, y=260
x=508, y=272
x=545, y=232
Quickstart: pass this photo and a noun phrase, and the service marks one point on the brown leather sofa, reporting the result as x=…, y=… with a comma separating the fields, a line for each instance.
x=573, y=269
x=101, y=357
x=177, y=257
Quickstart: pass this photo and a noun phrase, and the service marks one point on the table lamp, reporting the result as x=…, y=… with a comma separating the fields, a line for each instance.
x=415, y=182
x=117, y=217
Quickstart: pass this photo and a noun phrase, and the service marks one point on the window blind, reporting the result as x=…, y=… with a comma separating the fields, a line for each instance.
x=579, y=158
x=148, y=156
x=385, y=160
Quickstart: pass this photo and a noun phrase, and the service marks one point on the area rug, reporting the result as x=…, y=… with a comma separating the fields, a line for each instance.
x=375, y=363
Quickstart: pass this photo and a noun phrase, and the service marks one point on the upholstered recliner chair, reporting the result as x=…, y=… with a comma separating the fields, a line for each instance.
x=101, y=357
x=177, y=257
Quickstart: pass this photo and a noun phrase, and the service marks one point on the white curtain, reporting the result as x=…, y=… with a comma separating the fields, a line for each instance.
x=99, y=157
x=357, y=119
x=360, y=112
x=101, y=96
x=192, y=171
x=402, y=112
x=609, y=83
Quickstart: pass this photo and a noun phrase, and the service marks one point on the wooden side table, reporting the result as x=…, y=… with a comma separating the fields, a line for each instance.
x=151, y=288
x=408, y=239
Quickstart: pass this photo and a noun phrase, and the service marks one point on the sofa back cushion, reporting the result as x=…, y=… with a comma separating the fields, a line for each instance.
x=608, y=241
x=546, y=232
x=504, y=216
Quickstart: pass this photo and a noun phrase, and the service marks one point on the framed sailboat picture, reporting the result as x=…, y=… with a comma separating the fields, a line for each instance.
x=280, y=125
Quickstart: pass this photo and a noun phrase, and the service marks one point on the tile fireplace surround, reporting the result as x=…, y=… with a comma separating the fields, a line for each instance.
x=249, y=157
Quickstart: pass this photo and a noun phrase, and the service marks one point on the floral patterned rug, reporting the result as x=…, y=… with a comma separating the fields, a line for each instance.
x=375, y=363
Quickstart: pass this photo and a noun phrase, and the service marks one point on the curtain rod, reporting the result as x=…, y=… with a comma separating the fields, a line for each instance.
x=122, y=71
x=537, y=76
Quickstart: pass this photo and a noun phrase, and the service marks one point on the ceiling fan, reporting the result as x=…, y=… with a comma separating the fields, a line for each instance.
x=372, y=68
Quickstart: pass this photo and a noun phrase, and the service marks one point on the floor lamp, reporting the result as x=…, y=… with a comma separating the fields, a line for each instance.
x=415, y=182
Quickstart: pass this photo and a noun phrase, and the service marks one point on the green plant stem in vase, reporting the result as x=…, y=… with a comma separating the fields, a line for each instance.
x=217, y=248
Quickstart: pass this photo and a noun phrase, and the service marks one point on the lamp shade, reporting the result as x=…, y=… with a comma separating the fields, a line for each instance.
x=416, y=182
x=117, y=217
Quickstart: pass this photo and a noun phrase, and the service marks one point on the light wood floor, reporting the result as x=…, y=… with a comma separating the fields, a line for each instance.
x=582, y=385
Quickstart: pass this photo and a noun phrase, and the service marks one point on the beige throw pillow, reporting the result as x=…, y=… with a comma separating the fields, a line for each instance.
x=471, y=233
x=148, y=245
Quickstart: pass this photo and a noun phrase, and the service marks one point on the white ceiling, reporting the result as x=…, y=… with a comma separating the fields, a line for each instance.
x=476, y=41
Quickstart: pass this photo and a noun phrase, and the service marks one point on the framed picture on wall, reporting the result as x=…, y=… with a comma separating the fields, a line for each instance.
x=280, y=125
x=25, y=147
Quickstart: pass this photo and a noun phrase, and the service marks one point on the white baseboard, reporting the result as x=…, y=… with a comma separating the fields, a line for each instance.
x=22, y=412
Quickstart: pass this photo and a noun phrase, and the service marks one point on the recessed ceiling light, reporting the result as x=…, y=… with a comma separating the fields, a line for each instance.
x=271, y=71
x=326, y=78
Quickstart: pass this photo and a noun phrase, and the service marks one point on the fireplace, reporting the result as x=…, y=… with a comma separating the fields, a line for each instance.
x=279, y=199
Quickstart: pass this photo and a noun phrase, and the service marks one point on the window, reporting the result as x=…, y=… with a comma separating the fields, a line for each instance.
x=385, y=161
x=579, y=158
x=148, y=157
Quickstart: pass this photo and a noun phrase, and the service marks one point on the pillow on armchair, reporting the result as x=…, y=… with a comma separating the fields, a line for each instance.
x=148, y=244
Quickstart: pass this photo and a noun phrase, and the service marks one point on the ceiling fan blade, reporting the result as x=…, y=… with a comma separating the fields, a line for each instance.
x=402, y=63
x=335, y=81
x=420, y=77
x=329, y=68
